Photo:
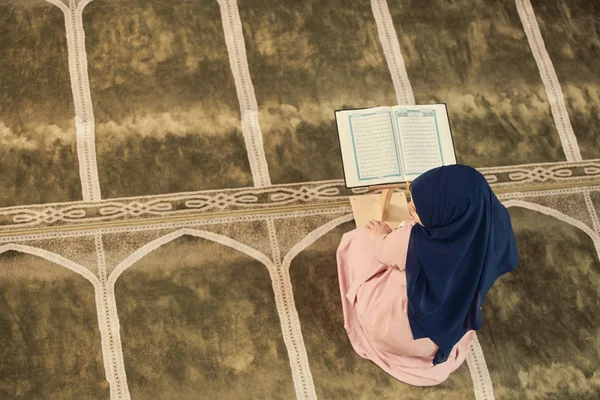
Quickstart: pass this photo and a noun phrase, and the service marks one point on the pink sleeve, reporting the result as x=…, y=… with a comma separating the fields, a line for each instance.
x=391, y=249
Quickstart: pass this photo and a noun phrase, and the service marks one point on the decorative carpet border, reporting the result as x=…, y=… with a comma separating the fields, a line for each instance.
x=516, y=178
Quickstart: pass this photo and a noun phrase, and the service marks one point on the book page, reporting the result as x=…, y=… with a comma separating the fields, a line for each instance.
x=369, y=147
x=425, y=138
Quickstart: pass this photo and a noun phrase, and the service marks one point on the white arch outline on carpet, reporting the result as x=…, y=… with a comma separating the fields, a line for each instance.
x=560, y=216
x=54, y=258
x=480, y=375
x=110, y=371
x=291, y=341
x=293, y=320
x=161, y=241
x=485, y=391
x=312, y=237
x=100, y=310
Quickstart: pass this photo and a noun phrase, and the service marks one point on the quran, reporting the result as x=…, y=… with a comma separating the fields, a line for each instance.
x=388, y=145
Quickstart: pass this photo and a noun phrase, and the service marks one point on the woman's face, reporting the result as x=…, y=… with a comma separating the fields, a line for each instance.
x=413, y=213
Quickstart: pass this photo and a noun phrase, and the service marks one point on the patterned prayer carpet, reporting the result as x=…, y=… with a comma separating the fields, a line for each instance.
x=172, y=198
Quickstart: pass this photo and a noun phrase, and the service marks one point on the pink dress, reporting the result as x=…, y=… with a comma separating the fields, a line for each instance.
x=373, y=287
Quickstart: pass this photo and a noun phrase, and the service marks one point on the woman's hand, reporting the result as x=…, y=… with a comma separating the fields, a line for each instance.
x=408, y=220
x=377, y=228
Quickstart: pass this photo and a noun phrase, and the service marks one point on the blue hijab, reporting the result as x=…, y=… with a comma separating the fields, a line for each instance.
x=466, y=243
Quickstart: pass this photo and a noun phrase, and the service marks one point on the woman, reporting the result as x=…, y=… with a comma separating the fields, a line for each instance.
x=412, y=297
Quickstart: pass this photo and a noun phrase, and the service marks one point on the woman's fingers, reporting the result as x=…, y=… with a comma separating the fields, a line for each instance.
x=374, y=224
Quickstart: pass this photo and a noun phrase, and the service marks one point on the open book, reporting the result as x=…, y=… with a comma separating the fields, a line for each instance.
x=385, y=145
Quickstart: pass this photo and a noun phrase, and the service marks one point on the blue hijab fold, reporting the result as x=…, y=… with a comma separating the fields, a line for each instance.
x=466, y=243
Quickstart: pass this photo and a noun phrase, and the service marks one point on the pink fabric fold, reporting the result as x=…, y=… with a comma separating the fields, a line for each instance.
x=373, y=291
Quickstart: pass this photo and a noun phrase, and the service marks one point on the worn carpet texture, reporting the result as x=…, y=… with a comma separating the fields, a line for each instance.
x=171, y=193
